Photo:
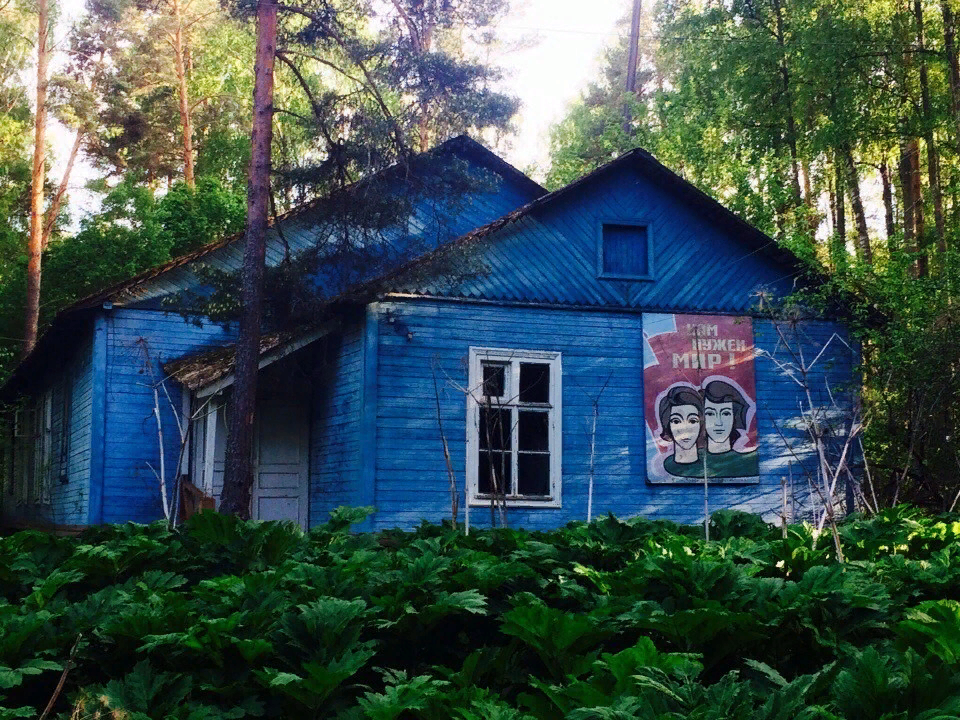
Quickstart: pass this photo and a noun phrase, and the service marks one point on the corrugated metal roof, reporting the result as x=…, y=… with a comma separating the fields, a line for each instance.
x=302, y=228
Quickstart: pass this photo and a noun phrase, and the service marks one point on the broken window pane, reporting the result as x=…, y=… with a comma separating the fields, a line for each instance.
x=534, y=382
x=534, y=431
x=533, y=474
x=495, y=429
x=500, y=464
x=494, y=379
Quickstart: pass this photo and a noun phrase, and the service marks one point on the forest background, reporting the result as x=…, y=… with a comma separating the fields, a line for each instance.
x=832, y=126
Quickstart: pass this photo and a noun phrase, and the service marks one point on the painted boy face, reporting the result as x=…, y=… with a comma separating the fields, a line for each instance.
x=685, y=425
x=719, y=420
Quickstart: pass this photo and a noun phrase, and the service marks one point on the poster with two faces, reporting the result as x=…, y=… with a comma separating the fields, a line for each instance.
x=700, y=399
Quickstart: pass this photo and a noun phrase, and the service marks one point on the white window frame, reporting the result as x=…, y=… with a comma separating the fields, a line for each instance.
x=476, y=400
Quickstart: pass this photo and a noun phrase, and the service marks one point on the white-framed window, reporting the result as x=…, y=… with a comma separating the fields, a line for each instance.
x=514, y=427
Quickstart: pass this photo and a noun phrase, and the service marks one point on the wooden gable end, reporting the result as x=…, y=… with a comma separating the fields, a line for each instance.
x=687, y=256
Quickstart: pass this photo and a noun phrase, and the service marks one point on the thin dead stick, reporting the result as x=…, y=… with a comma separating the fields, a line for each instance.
x=783, y=511
x=866, y=467
x=957, y=497
x=593, y=448
x=593, y=445
x=451, y=475
x=63, y=679
x=163, y=476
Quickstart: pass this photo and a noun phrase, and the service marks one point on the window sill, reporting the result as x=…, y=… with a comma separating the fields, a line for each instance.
x=515, y=501
x=631, y=278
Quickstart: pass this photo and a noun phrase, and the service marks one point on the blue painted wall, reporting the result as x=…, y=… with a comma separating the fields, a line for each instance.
x=130, y=490
x=418, y=338
x=335, y=443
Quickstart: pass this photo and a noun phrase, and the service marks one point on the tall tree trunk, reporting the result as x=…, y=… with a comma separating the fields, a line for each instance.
x=950, y=48
x=807, y=187
x=186, y=121
x=908, y=148
x=891, y=226
x=788, y=97
x=57, y=200
x=918, y=211
x=238, y=473
x=912, y=190
x=853, y=185
x=832, y=200
x=838, y=243
x=933, y=161
x=37, y=178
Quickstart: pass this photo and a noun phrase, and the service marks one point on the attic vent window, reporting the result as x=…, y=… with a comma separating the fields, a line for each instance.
x=626, y=252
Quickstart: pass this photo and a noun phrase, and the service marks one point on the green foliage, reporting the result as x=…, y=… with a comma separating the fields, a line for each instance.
x=134, y=231
x=222, y=618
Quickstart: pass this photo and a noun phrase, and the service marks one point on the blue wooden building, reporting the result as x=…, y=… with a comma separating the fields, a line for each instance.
x=600, y=348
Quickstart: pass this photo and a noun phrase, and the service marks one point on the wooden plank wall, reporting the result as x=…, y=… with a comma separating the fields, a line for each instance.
x=335, y=446
x=70, y=466
x=420, y=337
x=551, y=255
x=130, y=489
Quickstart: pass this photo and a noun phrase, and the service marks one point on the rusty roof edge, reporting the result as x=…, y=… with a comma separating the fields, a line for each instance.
x=287, y=342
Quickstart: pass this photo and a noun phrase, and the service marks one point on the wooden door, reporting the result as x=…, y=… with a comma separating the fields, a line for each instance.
x=280, y=488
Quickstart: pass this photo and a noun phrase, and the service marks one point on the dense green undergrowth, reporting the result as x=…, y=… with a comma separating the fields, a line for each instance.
x=635, y=619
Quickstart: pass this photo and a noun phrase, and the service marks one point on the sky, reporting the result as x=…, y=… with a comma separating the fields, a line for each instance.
x=564, y=41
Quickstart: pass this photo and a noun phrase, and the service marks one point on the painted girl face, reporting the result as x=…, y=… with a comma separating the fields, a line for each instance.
x=685, y=425
x=719, y=420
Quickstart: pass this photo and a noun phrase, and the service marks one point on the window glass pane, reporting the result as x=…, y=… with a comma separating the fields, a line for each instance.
x=500, y=462
x=534, y=431
x=494, y=379
x=534, y=382
x=495, y=429
x=533, y=474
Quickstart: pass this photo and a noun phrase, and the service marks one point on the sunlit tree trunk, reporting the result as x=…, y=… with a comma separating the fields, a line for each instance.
x=57, y=200
x=838, y=246
x=856, y=203
x=186, y=122
x=37, y=178
x=238, y=473
x=891, y=226
x=950, y=49
x=933, y=161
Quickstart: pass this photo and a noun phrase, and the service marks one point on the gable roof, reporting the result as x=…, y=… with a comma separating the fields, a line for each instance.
x=462, y=145
x=429, y=264
x=68, y=324
x=213, y=369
